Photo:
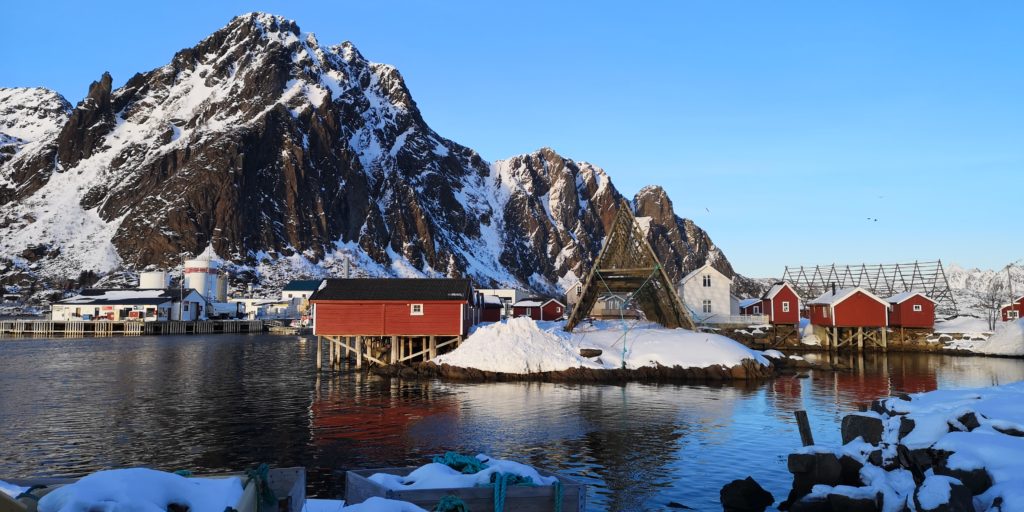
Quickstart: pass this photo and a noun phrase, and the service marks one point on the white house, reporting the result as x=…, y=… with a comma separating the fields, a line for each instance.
x=150, y=305
x=706, y=292
x=300, y=289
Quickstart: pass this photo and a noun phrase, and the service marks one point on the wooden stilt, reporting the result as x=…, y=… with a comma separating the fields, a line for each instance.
x=885, y=342
x=433, y=347
x=394, y=350
x=319, y=353
x=860, y=339
x=359, y=351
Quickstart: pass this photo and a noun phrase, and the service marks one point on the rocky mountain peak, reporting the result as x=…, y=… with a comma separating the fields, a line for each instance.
x=289, y=158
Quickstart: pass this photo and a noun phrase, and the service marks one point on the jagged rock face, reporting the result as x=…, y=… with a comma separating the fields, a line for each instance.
x=269, y=147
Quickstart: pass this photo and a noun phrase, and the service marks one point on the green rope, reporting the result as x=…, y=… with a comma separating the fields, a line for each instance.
x=260, y=476
x=625, y=327
x=501, y=481
x=28, y=493
x=461, y=463
x=183, y=472
x=451, y=503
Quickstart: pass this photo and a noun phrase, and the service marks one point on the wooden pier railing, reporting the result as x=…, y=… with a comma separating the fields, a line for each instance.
x=101, y=328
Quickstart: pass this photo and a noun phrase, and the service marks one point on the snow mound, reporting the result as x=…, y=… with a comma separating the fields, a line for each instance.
x=441, y=476
x=143, y=490
x=378, y=504
x=521, y=346
x=1007, y=340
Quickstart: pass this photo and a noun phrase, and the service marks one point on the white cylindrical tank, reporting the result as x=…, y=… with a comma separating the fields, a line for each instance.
x=153, y=280
x=201, y=276
x=222, y=288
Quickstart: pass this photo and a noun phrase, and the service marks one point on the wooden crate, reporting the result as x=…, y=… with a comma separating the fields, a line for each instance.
x=358, y=487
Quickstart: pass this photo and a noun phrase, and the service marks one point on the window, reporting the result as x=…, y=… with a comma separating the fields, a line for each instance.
x=558, y=309
x=824, y=311
x=707, y=281
x=757, y=310
x=706, y=307
x=917, y=308
x=1012, y=314
x=416, y=309
x=529, y=311
x=579, y=290
x=785, y=306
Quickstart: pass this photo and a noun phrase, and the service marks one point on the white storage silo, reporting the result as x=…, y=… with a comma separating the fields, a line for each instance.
x=201, y=275
x=153, y=280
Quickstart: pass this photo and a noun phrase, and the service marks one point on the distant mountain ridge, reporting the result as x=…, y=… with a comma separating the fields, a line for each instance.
x=289, y=158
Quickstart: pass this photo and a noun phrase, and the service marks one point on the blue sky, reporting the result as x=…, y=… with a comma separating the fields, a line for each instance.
x=783, y=128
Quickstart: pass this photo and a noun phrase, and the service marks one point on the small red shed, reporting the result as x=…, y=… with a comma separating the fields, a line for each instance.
x=751, y=307
x=539, y=308
x=849, y=307
x=781, y=304
x=1013, y=310
x=911, y=309
x=491, y=309
x=393, y=307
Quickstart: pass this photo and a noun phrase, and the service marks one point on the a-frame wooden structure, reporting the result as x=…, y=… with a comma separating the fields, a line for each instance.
x=627, y=264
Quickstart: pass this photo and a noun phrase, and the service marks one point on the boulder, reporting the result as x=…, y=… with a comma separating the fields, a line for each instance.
x=906, y=426
x=850, y=471
x=844, y=503
x=965, y=423
x=810, y=469
x=590, y=352
x=977, y=480
x=745, y=496
x=959, y=496
x=865, y=426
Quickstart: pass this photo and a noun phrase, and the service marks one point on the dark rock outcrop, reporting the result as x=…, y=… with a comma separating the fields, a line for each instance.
x=745, y=496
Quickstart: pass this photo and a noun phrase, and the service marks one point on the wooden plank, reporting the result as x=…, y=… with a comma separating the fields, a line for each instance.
x=805, y=428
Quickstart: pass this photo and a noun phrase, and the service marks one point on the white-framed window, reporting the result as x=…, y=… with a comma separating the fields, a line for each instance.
x=785, y=306
x=1012, y=314
x=579, y=290
x=918, y=308
x=707, y=281
x=529, y=311
x=416, y=309
x=757, y=310
x=706, y=306
x=558, y=309
x=824, y=311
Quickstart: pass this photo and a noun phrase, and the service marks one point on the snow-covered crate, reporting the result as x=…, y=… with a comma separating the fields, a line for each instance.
x=358, y=488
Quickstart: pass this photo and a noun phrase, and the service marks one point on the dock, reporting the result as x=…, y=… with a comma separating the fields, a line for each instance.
x=381, y=350
x=106, y=328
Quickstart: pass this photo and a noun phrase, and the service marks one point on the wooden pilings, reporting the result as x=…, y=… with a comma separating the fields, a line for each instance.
x=382, y=350
x=805, y=427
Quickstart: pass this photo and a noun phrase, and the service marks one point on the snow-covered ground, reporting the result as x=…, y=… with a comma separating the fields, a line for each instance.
x=440, y=476
x=1007, y=340
x=963, y=325
x=521, y=345
x=941, y=423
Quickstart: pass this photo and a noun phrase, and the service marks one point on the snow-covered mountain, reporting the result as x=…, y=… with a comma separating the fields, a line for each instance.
x=970, y=285
x=289, y=157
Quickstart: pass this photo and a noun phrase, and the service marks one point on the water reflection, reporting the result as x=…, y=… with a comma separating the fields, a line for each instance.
x=227, y=402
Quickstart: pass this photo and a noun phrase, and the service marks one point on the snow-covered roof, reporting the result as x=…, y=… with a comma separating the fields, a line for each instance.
x=775, y=289
x=900, y=297
x=492, y=299
x=830, y=299
x=126, y=297
x=689, y=276
x=748, y=302
x=535, y=302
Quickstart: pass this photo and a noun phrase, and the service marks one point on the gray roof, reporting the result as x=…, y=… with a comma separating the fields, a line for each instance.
x=395, y=289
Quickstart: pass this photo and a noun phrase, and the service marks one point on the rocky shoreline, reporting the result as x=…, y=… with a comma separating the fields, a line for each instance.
x=748, y=370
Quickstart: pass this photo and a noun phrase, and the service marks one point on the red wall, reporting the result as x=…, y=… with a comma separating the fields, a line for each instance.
x=780, y=317
x=859, y=310
x=490, y=315
x=1017, y=306
x=388, y=318
x=818, y=315
x=903, y=314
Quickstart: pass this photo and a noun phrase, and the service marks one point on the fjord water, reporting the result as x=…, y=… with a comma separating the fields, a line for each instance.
x=228, y=402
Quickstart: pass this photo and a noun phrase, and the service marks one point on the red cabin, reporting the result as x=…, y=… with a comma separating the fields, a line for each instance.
x=1013, y=311
x=911, y=309
x=539, y=309
x=393, y=307
x=781, y=304
x=849, y=307
x=751, y=307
